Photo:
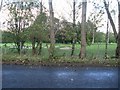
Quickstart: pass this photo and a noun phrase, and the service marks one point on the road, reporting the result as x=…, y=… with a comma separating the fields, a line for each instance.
x=18, y=76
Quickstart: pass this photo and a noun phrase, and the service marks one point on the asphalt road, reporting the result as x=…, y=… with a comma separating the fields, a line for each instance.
x=18, y=76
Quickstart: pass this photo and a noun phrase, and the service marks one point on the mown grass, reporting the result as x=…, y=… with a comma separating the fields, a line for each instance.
x=92, y=51
x=95, y=55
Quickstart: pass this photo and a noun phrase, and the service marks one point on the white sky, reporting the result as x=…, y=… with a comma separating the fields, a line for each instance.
x=63, y=8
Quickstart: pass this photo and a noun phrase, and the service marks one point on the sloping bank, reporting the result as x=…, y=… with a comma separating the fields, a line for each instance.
x=58, y=61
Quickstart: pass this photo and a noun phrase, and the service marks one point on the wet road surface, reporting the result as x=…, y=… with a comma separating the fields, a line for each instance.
x=18, y=76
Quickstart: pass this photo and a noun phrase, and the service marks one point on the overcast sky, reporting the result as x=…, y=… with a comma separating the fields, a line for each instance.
x=63, y=9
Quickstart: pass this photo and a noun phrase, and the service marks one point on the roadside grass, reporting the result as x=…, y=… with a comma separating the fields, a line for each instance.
x=95, y=55
x=72, y=61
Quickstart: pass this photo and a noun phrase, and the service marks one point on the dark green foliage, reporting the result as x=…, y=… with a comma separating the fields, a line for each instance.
x=100, y=37
x=62, y=35
x=112, y=38
x=38, y=29
x=7, y=37
x=37, y=33
x=66, y=34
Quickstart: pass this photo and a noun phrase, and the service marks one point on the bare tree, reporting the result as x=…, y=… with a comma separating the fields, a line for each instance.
x=0, y=22
x=1, y=4
x=106, y=46
x=83, y=31
x=52, y=33
x=96, y=18
x=117, y=35
x=41, y=7
x=107, y=38
x=73, y=39
x=41, y=11
x=110, y=18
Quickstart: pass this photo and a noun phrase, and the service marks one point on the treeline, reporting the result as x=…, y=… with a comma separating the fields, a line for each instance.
x=62, y=37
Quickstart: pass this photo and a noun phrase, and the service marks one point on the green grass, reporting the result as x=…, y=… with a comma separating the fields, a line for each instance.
x=99, y=50
x=92, y=51
x=95, y=55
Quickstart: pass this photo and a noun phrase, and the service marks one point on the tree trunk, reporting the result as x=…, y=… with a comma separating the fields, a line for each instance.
x=73, y=39
x=33, y=47
x=83, y=31
x=41, y=9
x=52, y=33
x=118, y=37
x=111, y=20
x=118, y=48
x=1, y=4
x=93, y=36
x=33, y=50
x=39, y=44
x=106, y=48
x=40, y=48
x=18, y=47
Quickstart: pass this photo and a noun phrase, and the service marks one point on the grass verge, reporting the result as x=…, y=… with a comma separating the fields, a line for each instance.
x=58, y=61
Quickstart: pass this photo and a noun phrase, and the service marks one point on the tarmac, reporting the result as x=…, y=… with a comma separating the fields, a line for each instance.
x=19, y=76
